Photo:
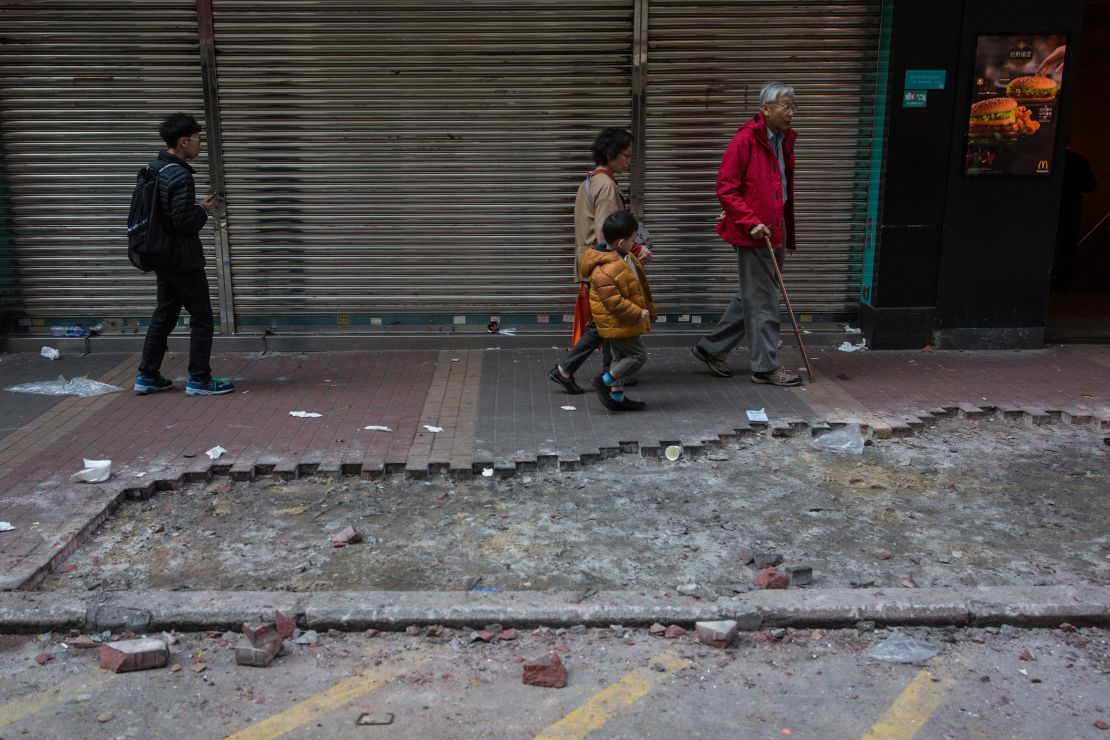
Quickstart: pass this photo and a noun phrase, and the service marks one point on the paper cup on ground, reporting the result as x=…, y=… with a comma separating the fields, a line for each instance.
x=673, y=452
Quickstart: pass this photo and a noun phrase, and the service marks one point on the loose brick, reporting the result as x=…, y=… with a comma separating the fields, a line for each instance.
x=717, y=634
x=347, y=536
x=674, y=631
x=258, y=656
x=134, y=655
x=799, y=575
x=547, y=672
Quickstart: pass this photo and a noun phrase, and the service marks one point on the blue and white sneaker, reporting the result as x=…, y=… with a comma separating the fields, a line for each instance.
x=147, y=384
x=213, y=387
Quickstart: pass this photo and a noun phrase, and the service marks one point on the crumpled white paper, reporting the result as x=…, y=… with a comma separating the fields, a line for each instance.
x=433, y=429
x=849, y=347
x=6, y=527
x=50, y=353
x=377, y=428
x=215, y=452
x=95, y=471
x=567, y=408
x=757, y=415
x=487, y=472
x=305, y=414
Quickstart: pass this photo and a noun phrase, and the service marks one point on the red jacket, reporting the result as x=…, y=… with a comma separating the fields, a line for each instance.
x=749, y=187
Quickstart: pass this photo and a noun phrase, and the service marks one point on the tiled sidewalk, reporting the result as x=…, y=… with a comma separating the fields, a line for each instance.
x=496, y=408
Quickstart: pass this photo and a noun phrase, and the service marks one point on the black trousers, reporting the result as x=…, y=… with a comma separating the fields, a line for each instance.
x=590, y=341
x=177, y=290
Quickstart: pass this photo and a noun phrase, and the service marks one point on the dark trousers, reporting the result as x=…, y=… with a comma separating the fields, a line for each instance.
x=589, y=341
x=177, y=290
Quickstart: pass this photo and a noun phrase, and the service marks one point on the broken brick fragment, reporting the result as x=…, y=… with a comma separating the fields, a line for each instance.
x=284, y=625
x=674, y=631
x=771, y=578
x=547, y=672
x=43, y=658
x=348, y=536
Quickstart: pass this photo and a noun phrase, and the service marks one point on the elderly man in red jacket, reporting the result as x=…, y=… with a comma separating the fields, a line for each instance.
x=755, y=185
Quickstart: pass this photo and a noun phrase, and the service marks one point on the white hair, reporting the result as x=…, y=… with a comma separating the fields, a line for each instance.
x=772, y=90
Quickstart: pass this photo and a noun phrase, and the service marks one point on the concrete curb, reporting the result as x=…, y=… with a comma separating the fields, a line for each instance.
x=149, y=611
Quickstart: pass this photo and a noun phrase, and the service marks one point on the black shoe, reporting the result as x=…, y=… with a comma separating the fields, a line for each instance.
x=568, y=383
x=603, y=393
x=628, y=404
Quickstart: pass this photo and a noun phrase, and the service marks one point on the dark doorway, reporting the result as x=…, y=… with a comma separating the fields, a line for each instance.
x=1079, y=305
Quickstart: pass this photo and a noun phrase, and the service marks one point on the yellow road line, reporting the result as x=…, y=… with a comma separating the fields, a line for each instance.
x=27, y=706
x=606, y=704
x=310, y=709
x=912, y=709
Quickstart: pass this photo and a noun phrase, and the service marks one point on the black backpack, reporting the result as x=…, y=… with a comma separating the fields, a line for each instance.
x=148, y=245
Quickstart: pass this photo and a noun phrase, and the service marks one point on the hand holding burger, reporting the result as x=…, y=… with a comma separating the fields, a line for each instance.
x=1032, y=89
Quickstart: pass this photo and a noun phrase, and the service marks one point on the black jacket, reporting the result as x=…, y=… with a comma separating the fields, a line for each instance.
x=183, y=217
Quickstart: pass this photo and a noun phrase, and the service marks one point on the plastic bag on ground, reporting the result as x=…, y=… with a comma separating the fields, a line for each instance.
x=50, y=353
x=899, y=648
x=96, y=471
x=82, y=387
x=846, y=440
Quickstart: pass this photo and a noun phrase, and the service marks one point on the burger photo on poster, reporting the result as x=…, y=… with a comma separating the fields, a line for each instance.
x=994, y=113
x=1032, y=89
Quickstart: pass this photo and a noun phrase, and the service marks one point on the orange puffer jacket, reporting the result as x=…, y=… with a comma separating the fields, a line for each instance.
x=617, y=294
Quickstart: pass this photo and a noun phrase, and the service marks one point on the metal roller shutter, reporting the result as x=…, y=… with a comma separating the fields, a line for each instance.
x=706, y=64
x=85, y=86
x=411, y=158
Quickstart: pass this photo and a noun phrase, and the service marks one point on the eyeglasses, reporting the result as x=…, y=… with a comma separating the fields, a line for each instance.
x=788, y=107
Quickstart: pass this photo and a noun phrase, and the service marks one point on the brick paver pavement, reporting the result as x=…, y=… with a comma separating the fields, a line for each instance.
x=496, y=408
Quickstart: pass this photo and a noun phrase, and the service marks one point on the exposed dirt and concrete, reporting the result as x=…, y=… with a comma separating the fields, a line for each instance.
x=964, y=503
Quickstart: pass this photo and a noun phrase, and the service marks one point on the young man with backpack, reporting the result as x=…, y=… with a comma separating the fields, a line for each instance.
x=178, y=263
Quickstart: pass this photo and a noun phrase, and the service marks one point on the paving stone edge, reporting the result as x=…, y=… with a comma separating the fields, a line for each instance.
x=151, y=611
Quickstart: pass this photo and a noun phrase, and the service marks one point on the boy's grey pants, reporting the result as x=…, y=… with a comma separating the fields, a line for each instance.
x=753, y=312
x=629, y=355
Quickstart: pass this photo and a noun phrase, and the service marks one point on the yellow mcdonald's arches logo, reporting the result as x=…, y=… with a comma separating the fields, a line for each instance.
x=1042, y=165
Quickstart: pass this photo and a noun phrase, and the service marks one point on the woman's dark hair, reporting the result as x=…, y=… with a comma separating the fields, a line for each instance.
x=177, y=125
x=609, y=143
x=619, y=225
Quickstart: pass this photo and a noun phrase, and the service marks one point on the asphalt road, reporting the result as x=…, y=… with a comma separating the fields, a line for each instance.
x=990, y=683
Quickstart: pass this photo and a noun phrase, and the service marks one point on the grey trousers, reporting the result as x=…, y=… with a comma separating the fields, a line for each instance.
x=629, y=355
x=753, y=312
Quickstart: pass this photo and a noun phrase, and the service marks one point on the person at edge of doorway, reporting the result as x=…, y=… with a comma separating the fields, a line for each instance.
x=755, y=185
x=184, y=283
x=621, y=305
x=598, y=196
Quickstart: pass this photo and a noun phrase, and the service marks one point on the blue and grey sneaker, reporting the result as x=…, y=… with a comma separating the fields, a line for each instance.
x=146, y=384
x=213, y=387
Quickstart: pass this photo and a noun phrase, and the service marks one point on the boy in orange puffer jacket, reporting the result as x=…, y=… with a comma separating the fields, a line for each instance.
x=620, y=299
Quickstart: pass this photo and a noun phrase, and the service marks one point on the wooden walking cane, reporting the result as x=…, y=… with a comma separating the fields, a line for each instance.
x=789, y=309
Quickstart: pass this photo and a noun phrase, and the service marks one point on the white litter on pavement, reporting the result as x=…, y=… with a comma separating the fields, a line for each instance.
x=568, y=408
x=95, y=471
x=757, y=415
x=849, y=347
x=215, y=452
x=377, y=428
x=50, y=353
x=673, y=452
x=433, y=429
x=852, y=329
x=82, y=387
x=487, y=472
x=305, y=414
x=6, y=527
